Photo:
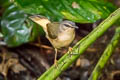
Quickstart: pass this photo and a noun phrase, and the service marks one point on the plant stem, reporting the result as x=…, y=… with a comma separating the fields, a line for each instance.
x=79, y=48
x=106, y=55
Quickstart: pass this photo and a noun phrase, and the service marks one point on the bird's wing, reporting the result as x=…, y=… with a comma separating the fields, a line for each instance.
x=53, y=29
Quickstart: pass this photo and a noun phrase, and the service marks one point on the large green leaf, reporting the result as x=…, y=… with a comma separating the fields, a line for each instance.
x=16, y=28
x=88, y=11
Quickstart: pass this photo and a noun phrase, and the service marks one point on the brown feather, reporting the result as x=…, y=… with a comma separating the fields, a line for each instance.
x=52, y=29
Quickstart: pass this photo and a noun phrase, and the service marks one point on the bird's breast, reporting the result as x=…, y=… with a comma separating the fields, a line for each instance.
x=65, y=36
x=63, y=39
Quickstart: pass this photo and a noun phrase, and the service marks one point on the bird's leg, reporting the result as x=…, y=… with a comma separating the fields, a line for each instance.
x=55, y=59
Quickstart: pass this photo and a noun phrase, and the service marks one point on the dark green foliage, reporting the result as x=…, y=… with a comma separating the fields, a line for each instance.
x=16, y=28
x=88, y=11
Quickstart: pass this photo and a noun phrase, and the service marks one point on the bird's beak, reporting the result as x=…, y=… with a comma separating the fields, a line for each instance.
x=75, y=27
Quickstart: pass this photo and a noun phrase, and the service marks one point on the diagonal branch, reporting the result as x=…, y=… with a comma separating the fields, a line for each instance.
x=106, y=55
x=80, y=47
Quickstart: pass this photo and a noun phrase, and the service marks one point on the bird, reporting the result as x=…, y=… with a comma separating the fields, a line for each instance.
x=60, y=34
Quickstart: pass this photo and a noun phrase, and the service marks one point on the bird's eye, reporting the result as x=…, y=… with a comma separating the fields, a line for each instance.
x=67, y=25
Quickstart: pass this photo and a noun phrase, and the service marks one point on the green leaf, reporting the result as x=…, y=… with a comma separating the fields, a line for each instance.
x=87, y=11
x=4, y=3
x=16, y=28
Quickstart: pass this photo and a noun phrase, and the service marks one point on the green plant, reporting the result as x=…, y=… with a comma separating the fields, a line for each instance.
x=17, y=28
x=106, y=55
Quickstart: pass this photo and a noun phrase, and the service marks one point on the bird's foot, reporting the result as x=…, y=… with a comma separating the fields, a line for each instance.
x=71, y=52
x=55, y=63
x=70, y=49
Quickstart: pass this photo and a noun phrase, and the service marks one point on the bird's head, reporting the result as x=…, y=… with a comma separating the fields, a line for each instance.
x=68, y=24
